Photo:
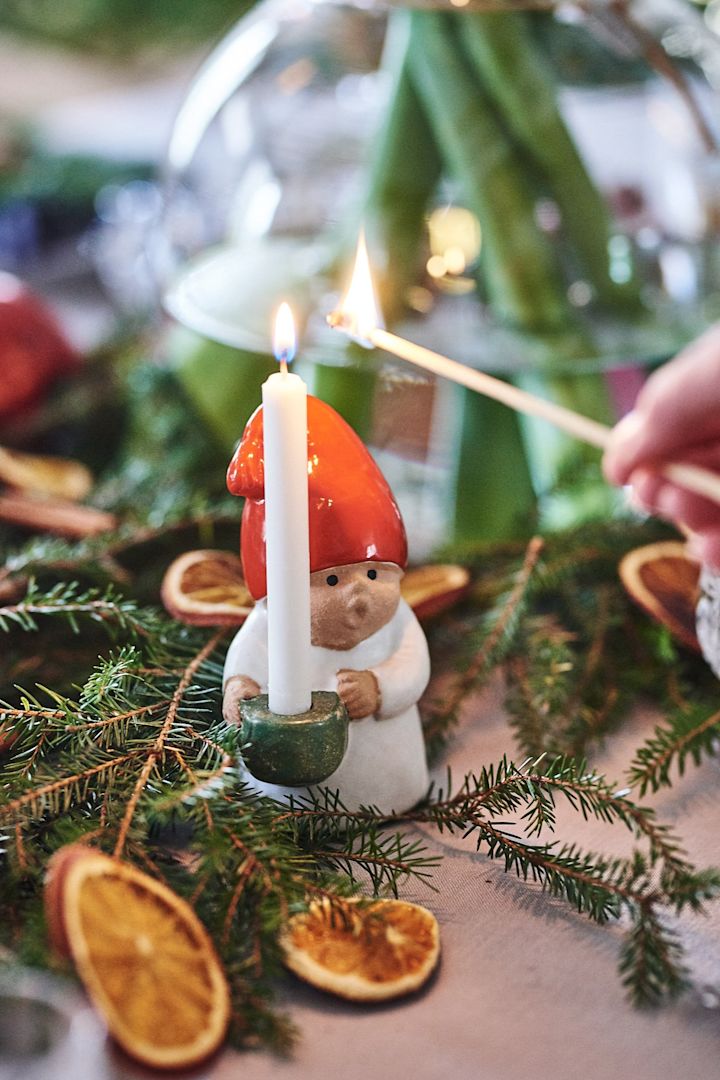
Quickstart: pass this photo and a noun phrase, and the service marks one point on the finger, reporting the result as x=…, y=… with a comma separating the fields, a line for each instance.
x=677, y=408
x=657, y=495
x=705, y=547
x=693, y=511
x=653, y=495
x=646, y=485
x=623, y=453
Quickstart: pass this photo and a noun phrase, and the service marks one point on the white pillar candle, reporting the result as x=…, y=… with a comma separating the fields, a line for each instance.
x=287, y=541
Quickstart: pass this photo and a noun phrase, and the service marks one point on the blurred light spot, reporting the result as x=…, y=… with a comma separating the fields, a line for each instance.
x=709, y=997
x=10, y=288
x=436, y=267
x=620, y=271
x=580, y=293
x=618, y=247
x=454, y=260
x=451, y=227
x=679, y=272
x=547, y=215
x=568, y=13
x=620, y=252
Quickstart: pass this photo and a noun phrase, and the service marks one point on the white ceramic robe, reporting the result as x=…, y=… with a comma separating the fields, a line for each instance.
x=384, y=764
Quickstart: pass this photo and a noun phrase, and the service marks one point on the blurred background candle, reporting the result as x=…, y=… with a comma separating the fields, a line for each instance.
x=286, y=523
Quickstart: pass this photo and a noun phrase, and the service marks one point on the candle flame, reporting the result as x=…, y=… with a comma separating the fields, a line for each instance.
x=359, y=312
x=284, y=343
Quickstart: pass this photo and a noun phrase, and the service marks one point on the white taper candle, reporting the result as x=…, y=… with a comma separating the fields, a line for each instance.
x=287, y=541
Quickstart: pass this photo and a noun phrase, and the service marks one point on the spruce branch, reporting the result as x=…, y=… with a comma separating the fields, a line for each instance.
x=58, y=796
x=651, y=962
x=595, y=885
x=159, y=743
x=139, y=757
x=69, y=602
x=691, y=733
x=496, y=639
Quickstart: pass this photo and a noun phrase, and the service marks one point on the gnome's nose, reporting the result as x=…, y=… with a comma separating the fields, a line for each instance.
x=359, y=605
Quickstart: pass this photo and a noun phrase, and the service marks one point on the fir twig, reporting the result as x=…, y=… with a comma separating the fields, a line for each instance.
x=687, y=736
x=68, y=601
x=140, y=761
x=159, y=743
x=651, y=966
x=444, y=717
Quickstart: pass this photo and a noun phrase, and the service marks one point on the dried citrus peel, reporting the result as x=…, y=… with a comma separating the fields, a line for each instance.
x=206, y=588
x=145, y=960
x=432, y=589
x=663, y=580
x=369, y=952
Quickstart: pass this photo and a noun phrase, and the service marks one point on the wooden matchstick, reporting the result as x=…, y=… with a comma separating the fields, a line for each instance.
x=690, y=477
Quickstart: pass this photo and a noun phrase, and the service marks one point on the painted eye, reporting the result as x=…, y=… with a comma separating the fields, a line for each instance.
x=372, y=574
x=332, y=579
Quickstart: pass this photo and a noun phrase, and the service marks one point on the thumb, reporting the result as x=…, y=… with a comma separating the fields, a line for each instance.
x=626, y=448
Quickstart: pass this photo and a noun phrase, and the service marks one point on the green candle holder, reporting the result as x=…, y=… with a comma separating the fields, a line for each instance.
x=294, y=750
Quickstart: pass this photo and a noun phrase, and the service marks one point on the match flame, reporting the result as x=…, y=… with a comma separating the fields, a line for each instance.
x=359, y=312
x=284, y=343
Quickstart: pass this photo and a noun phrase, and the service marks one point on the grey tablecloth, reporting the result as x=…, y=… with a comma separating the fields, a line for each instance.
x=526, y=987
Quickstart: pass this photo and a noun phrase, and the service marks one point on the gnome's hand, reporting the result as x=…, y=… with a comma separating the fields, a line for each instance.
x=359, y=692
x=238, y=688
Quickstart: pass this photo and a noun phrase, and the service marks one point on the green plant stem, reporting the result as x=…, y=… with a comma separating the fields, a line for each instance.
x=493, y=495
x=405, y=171
x=523, y=279
x=520, y=82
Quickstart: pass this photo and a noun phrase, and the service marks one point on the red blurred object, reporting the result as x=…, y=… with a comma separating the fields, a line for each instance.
x=353, y=514
x=33, y=349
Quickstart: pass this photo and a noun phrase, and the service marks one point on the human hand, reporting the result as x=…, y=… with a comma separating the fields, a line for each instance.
x=676, y=418
x=359, y=692
x=238, y=688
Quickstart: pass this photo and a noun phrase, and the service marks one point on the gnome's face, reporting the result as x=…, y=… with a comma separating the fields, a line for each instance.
x=349, y=603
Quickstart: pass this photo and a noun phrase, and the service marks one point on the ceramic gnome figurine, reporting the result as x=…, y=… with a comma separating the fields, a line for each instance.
x=367, y=644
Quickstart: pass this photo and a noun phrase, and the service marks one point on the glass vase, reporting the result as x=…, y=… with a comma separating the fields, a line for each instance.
x=538, y=190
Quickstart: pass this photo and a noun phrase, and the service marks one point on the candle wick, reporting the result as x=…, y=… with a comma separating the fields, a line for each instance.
x=283, y=364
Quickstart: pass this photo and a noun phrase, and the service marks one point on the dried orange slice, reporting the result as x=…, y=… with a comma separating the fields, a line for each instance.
x=59, y=477
x=432, y=589
x=363, y=952
x=143, y=956
x=53, y=894
x=663, y=580
x=206, y=588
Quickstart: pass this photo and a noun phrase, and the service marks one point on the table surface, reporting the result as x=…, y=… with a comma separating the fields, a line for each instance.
x=526, y=987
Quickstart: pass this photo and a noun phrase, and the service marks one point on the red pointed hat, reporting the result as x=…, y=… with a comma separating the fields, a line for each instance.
x=353, y=514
